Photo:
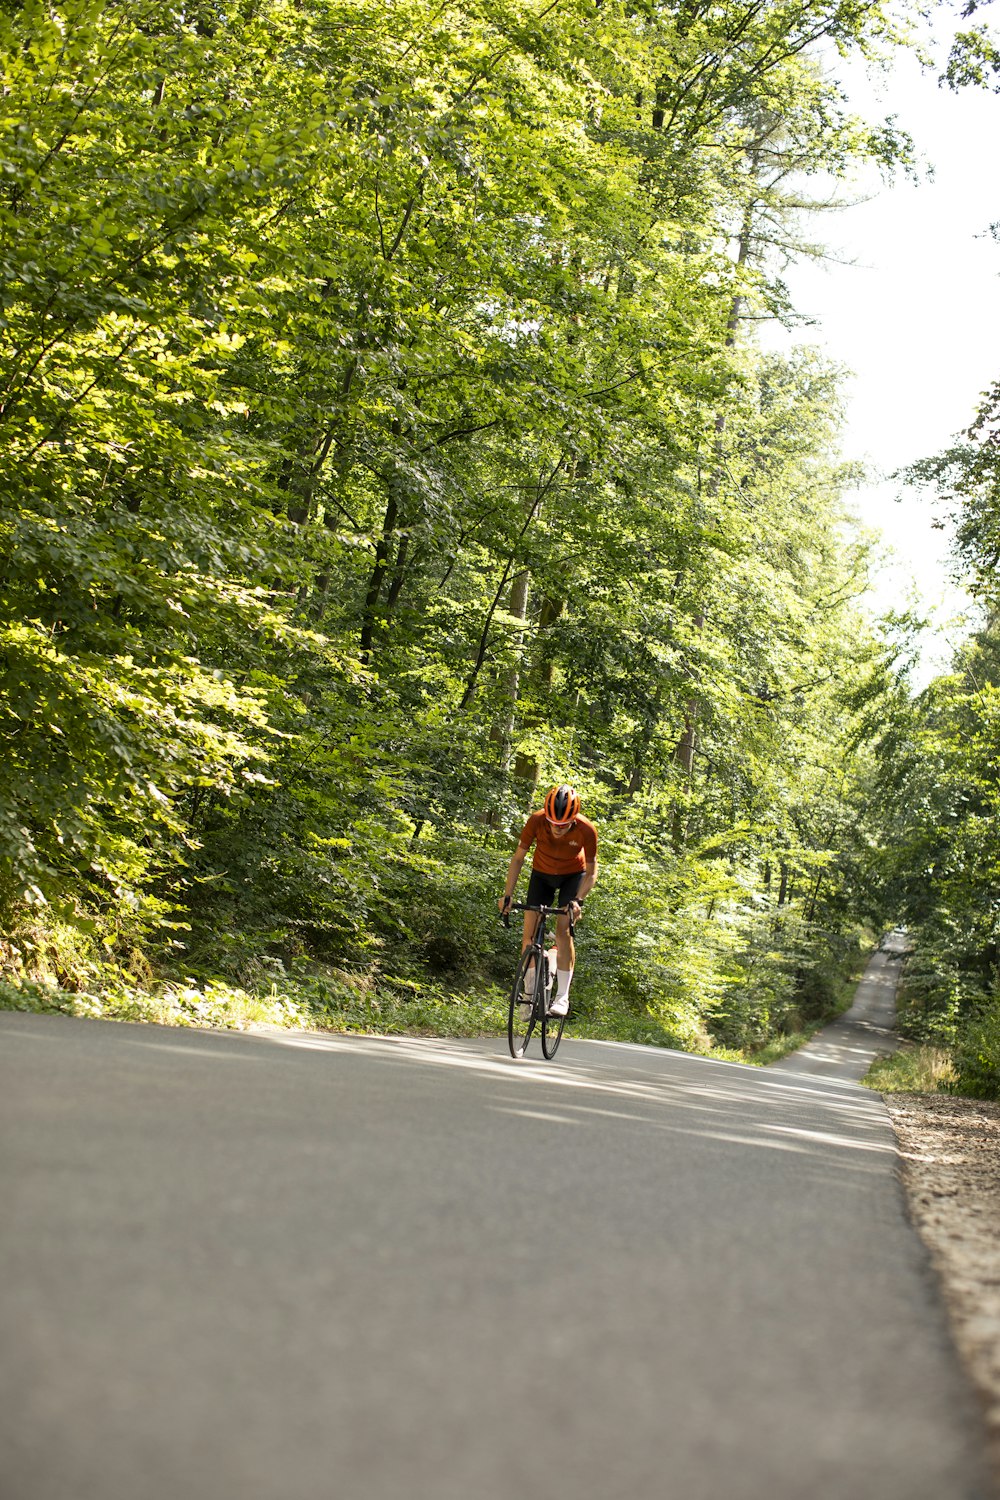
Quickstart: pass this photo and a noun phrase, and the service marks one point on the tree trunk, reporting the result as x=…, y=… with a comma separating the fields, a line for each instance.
x=550, y=613
x=783, y=885
x=378, y=573
x=814, y=897
x=534, y=507
x=503, y=731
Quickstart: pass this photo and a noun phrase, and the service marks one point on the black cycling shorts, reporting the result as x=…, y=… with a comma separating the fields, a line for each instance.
x=542, y=888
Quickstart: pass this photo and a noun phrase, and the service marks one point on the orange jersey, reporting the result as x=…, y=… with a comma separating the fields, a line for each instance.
x=563, y=856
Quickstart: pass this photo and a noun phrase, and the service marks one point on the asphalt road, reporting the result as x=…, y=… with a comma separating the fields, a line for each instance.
x=334, y=1268
x=844, y=1050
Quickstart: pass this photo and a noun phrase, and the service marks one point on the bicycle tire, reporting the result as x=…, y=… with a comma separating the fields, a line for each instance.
x=552, y=1030
x=519, y=1027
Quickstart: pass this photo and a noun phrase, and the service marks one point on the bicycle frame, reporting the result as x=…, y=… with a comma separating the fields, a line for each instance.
x=520, y=1027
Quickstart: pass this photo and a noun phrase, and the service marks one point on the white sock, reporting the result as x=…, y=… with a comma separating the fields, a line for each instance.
x=564, y=980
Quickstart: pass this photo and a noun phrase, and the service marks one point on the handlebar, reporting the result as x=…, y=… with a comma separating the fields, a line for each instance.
x=547, y=911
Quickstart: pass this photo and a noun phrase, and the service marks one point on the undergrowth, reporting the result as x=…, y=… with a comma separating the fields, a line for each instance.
x=375, y=1006
x=329, y=1003
x=917, y=1068
x=52, y=969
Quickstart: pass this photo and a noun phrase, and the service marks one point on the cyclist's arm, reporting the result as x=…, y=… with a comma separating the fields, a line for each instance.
x=589, y=880
x=513, y=874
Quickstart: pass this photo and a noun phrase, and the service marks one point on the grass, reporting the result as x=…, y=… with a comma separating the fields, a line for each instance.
x=916, y=1068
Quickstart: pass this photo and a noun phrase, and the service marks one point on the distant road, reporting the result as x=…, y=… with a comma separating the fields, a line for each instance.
x=845, y=1050
x=334, y=1268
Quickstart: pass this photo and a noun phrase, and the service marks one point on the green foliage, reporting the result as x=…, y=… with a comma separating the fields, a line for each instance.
x=939, y=854
x=936, y=785
x=974, y=58
x=185, y=1005
x=332, y=1002
x=976, y=1058
x=382, y=438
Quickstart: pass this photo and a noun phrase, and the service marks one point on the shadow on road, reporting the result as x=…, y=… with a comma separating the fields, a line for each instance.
x=682, y=1094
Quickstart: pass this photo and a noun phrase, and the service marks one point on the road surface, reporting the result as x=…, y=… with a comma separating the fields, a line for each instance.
x=302, y=1267
x=845, y=1050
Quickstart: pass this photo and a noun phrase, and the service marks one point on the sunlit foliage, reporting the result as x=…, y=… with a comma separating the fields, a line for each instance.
x=383, y=435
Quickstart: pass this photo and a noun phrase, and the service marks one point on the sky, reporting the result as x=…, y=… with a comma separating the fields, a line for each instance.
x=911, y=305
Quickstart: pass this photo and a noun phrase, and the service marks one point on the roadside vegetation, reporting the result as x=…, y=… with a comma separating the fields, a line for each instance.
x=914, y=1069
x=937, y=785
x=950, y=1043
x=316, y=997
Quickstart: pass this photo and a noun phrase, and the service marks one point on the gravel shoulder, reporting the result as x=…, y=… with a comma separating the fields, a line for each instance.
x=950, y=1150
x=950, y=1153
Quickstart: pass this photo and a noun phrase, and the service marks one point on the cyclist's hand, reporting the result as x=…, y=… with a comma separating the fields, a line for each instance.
x=503, y=904
x=575, y=912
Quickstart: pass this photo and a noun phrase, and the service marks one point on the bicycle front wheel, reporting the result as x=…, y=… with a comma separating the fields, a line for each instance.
x=552, y=1030
x=522, y=1013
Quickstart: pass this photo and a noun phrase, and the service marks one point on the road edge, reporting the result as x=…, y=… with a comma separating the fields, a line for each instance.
x=949, y=1152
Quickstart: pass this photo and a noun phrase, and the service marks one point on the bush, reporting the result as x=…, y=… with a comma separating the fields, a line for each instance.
x=932, y=996
x=977, y=1055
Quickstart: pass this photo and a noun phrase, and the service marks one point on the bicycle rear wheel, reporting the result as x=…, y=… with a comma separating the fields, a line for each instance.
x=552, y=1030
x=522, y=1013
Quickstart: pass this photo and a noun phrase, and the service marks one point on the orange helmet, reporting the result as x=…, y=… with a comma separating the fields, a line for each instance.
x=562, y=804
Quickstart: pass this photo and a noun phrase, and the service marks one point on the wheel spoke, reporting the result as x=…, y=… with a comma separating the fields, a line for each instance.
x=552, y=1030
x=522, y=1014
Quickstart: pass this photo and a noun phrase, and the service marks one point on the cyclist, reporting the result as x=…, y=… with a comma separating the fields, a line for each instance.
x=565, y=862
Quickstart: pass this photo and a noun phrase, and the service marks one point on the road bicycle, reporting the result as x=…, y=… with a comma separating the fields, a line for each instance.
x=533, y=984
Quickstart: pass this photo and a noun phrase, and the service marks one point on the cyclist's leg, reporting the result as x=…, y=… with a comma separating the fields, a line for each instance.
x=536, y=895
x=565, y=947
x=541, y=891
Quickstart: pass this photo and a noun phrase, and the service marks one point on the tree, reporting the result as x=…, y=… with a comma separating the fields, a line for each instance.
x=387, y=433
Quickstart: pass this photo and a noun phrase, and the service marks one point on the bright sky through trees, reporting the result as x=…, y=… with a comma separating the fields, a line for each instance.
x=911, y=305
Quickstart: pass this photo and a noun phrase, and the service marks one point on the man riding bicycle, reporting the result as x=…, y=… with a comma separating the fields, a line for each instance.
x=563, y=872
